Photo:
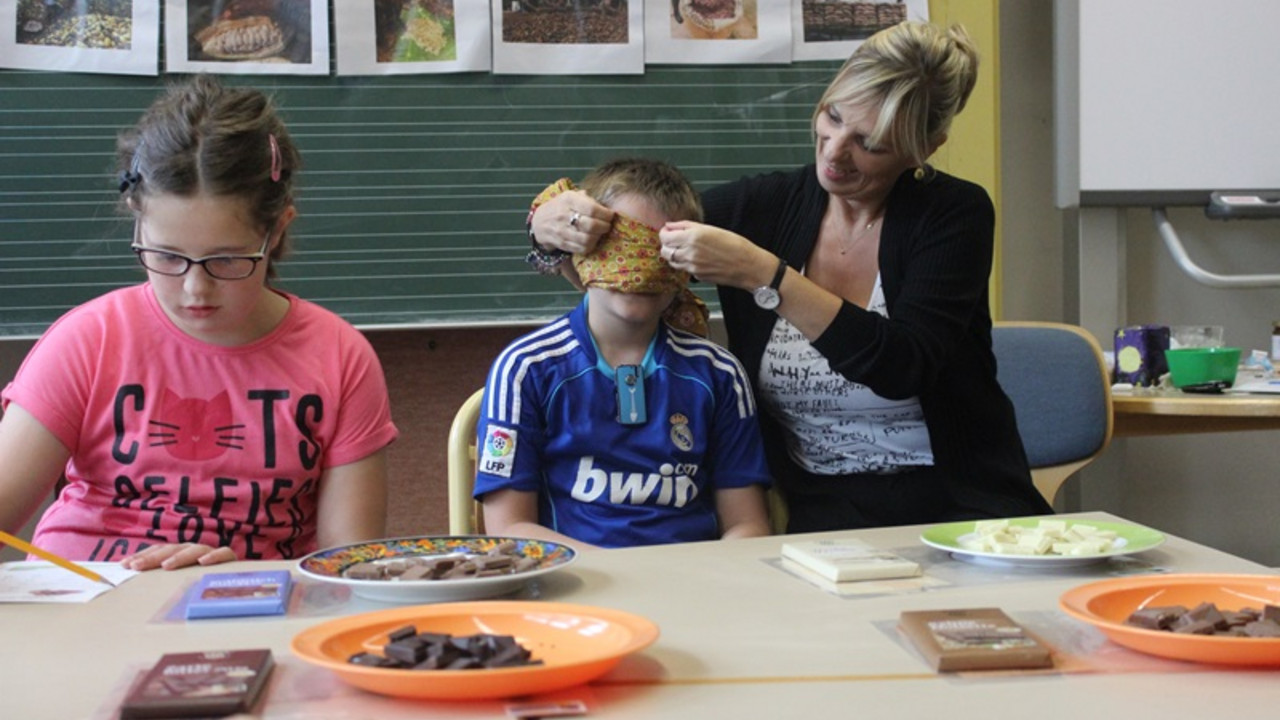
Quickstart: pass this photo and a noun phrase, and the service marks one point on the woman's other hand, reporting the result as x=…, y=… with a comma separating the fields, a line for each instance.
x=716, y=256
x=180, y=555
x=571, y=221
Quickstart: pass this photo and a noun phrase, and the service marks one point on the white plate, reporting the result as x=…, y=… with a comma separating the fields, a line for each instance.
x=329, y=566
x=952, y=536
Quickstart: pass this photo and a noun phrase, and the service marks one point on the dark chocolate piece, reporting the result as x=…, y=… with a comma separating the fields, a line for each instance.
x=1262, y=628
x=401, y=633
x=1194, y=627
x=410, y=651
x=1207, y=619
x=1202, y=613
x=1157, y=618
x=440, y=651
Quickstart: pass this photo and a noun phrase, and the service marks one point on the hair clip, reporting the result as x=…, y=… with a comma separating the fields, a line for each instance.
x=130, y=178
x=275, y=158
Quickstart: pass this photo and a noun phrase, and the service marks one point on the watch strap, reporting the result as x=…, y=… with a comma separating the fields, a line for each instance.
x=781, y=273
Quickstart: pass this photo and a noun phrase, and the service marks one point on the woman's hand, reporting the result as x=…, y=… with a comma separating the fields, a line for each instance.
x=572, y=222
x=180, y=555
x=717, y=256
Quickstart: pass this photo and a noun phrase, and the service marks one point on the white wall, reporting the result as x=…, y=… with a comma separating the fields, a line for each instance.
x=1218, y=489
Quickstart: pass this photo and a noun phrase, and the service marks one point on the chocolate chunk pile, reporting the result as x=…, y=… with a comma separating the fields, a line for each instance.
x=502, y=559
x=408, y=649
x=1207, y=619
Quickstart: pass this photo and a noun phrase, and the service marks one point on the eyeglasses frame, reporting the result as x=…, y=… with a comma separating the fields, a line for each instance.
x=138, y=248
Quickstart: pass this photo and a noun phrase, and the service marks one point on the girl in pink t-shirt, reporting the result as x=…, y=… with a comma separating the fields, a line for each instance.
x=202, y=416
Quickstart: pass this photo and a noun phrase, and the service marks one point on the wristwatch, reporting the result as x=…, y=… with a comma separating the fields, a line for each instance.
x=767, y=296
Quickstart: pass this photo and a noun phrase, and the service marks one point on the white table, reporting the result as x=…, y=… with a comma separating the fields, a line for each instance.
x=740, y=638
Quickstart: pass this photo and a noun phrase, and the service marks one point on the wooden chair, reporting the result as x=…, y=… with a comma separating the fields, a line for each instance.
x=1061, y=392
x=465, y=516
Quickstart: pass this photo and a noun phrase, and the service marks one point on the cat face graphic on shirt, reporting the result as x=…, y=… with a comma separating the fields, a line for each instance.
x=195, y=428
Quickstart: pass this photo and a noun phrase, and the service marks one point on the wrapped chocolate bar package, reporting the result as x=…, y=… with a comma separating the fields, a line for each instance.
x=235, y=594
x=199, y=684
x=1140, y=356
x=973, y=639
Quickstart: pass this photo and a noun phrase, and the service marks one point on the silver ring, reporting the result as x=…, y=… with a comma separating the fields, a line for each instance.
x=573, y=219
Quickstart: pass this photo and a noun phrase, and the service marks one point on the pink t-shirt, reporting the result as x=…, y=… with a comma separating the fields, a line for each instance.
x=176, y=440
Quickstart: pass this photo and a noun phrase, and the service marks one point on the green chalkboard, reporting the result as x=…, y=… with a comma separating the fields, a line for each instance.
x=414, y=189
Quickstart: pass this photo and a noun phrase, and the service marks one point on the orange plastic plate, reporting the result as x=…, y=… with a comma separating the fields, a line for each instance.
x=577, y=643
x=1108, y=603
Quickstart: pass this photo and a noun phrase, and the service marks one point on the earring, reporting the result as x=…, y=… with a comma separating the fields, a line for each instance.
x=918, y=174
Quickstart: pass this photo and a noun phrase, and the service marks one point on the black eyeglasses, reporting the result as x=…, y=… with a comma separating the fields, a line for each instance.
x=222, y=267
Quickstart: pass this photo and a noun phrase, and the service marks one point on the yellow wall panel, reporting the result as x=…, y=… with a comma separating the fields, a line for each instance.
x=973, y=149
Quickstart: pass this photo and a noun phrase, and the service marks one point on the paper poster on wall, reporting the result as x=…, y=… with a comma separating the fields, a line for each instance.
x=247, y=37
x=105, y=36
x=833, y=29
x=568, y=37
x=717, y=31
x=395, y=37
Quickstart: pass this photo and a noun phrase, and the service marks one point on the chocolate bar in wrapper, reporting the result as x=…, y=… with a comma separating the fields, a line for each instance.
x=1140, y=356
x=199, y=685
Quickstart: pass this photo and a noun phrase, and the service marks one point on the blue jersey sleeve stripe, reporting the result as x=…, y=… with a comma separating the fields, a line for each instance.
x=522, y=370
x=510, y=367
x=506, y=402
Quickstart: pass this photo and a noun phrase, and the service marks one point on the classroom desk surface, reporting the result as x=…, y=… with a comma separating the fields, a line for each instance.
x=740, y=638
x=1173, y=412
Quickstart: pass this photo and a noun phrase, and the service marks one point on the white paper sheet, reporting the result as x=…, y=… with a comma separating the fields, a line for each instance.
x=38, y=581
x=465, y=38
x=302, y=24
x=29, y=41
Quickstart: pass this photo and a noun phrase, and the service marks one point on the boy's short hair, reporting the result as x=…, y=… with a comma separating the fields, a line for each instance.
x=654, y=180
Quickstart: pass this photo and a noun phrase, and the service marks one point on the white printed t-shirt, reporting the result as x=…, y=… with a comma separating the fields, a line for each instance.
x=833, y=425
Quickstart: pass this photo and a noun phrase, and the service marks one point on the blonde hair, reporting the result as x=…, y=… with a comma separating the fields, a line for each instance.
x=921, y=77
x=654, y=180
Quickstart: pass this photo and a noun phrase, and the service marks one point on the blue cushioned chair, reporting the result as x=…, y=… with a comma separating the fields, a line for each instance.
x=1061, y=392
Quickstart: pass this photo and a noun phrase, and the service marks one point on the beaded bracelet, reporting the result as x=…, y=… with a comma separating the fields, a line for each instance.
x=546, y=262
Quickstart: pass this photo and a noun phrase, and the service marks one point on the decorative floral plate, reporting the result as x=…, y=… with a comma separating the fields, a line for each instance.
x=332, y=564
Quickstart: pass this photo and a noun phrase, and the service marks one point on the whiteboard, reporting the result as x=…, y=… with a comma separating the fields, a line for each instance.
x=1164, y=101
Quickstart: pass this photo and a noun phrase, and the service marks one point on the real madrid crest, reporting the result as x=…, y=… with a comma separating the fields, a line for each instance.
x=681, y=435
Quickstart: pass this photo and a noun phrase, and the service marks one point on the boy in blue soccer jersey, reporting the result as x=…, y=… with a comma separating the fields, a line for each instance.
x=610, y=427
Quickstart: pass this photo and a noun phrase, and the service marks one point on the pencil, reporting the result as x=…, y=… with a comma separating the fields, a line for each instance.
x=27, y=547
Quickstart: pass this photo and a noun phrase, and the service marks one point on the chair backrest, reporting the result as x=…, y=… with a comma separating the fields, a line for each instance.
x=1061, y=392
x=465, y=517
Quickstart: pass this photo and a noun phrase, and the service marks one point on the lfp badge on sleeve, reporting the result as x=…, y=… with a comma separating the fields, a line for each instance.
x=499, y=454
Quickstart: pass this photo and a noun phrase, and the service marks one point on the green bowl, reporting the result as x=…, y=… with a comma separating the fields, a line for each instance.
x=1200, y=366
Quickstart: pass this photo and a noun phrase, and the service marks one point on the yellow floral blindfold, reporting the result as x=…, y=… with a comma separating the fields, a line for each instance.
x=628, y=259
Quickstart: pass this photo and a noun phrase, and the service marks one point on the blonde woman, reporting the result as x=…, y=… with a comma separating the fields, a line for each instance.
x=854, y=291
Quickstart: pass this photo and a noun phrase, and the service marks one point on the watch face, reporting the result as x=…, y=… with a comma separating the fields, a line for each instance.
x=766, y=297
